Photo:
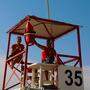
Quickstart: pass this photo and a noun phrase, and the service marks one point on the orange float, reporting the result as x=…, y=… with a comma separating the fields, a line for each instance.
x=29, y=39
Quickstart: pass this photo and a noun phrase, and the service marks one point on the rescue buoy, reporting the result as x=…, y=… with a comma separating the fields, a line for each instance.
x=29, y=39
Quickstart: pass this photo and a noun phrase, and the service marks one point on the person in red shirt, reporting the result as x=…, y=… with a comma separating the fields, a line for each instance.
x=17, y=48
x=48, y=52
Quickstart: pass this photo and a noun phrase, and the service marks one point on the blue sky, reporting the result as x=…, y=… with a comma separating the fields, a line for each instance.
x=71, y=11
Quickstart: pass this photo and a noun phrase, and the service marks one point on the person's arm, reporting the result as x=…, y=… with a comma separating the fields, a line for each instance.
x=40, y=46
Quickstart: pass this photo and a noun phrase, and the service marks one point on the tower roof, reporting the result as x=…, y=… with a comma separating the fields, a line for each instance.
x=44, y=28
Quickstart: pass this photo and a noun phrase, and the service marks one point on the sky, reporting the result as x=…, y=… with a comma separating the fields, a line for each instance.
x=71, y=11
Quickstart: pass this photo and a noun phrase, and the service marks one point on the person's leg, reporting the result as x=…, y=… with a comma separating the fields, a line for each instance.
x=47, y=60
x=51, y=60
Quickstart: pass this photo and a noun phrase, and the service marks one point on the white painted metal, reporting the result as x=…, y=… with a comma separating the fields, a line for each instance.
x=73, y=75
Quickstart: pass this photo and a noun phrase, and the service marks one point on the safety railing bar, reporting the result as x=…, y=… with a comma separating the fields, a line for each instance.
x=70, y=56
x=68, y=61
x=11, y=58
x=76, y=63
x=12, y=86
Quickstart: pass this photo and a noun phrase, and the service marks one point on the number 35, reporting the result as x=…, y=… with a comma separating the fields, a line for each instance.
x=78, y=79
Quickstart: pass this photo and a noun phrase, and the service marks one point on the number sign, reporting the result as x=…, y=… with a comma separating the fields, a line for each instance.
x=70, y=78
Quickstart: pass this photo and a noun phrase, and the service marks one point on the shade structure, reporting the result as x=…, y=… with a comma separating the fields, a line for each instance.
x=44, y=28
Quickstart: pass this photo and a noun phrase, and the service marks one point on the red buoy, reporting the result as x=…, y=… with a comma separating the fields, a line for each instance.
x=29, y=38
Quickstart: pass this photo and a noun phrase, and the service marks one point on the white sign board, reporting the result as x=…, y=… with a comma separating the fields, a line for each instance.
x=70, y=78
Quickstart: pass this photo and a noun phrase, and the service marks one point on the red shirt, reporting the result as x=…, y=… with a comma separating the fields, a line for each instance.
x=48, y=52
x=16, y=48
x=43, y=55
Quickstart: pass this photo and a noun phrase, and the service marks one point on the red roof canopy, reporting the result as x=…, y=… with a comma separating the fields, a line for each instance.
x=44, y=28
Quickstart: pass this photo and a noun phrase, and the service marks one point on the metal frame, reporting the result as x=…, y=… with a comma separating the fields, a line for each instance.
x=77, y=59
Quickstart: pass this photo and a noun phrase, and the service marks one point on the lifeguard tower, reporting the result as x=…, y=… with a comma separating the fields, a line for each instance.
x=44, y=29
